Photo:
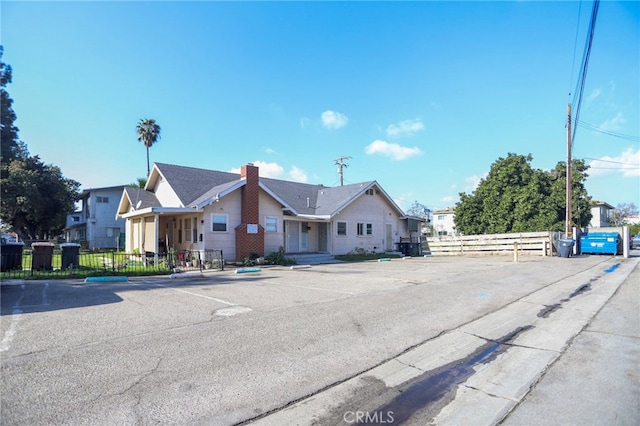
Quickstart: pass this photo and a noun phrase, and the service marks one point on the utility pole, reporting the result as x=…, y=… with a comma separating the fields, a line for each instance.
x=568, y=227
x=340, y=162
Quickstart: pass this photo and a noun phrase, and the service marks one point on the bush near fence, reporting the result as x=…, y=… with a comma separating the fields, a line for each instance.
x=536, y=243
x=57, y=265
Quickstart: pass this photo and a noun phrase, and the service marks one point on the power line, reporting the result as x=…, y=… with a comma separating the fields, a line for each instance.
x=575, y=47
x=609, y=132
x=611, y=161
x=585, y=65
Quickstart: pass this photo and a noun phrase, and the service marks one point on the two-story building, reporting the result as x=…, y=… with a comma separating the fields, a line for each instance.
x=443, y=223
x=600, y=214
x=95, y=225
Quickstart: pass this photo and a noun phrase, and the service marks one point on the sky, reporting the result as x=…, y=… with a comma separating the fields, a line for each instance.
x=422, y=96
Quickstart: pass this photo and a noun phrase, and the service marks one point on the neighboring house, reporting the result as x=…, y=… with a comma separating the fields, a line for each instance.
x=95, y=225
x=633, y=220
x=185, y=208
x=600, y=212
x=443, y=221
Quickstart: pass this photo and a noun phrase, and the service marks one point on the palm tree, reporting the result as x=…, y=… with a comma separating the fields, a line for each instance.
x=139, y=183
x=148, y=133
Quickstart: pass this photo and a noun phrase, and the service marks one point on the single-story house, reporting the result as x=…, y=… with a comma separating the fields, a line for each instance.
x=186, y=208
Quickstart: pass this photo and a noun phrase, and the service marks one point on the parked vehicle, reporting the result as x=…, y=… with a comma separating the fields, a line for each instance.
x=8, y=238
x=635, y=241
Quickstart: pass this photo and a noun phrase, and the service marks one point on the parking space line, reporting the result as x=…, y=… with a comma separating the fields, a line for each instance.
x=195, y=294
x=206, y=297
x=5, y=344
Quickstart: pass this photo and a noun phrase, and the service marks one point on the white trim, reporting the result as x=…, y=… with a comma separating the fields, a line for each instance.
x=159, y=210
x=226, y=223
x=346, y=228
x=266, y=224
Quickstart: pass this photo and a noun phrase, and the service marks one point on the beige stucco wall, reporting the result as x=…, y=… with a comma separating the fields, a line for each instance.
x=368, y=209
x=165, y=194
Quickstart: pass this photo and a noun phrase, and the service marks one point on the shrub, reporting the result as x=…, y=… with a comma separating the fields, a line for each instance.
x=278, y=258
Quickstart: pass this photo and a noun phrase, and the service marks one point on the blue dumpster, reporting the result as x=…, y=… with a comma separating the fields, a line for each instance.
x=600, y=242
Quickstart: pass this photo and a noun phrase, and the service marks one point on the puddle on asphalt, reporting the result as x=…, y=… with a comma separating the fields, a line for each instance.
x=434, y=385
x=580, y=290
x=547, y=310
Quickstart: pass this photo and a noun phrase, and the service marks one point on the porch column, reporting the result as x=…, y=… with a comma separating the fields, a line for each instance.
x=156, y=224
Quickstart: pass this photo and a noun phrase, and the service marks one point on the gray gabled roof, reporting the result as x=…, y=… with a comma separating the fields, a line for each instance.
x=141, y=199
x=199, y=187
x=332, y=200
x=190, y=183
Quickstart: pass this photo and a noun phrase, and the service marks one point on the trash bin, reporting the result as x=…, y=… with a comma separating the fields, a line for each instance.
x=600, y=243
x=11, y=253
x=41, y=256
x=70, y=255
x=565, y=247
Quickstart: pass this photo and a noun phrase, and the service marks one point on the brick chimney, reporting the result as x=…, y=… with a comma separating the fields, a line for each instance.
x=250, y=233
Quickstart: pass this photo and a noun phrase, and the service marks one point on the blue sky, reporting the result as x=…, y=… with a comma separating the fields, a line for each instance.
x=424, y=96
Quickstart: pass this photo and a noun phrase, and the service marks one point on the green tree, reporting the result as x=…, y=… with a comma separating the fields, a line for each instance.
x=35, y=197
x=148, y=133
x=580, y=199
x=11, y=147
x=515, y=197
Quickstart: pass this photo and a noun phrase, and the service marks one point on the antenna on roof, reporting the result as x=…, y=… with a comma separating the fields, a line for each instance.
x=340, y=162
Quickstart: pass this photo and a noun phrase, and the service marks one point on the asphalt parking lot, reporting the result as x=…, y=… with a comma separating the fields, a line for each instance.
x=227, y=348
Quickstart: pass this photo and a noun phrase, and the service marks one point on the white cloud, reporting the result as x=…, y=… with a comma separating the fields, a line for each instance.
x=472, y=182
x=405, y=128
x=334, y=120
x=595, y=93
x=448, y=199
x=615, y=123
x=298, y=175
x=304, y=121
x=392, y=150
x=276, y=171
x=627, y=164
x=270, y=150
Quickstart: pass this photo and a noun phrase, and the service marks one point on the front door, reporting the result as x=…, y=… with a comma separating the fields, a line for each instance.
x=304, y=236
x=292, y=232
x=322, y=237
x=388, y=238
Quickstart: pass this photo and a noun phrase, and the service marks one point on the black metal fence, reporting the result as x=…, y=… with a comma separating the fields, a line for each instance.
x=39, y=262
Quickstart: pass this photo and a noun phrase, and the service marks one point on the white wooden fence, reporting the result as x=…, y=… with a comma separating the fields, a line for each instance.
x=536, y=243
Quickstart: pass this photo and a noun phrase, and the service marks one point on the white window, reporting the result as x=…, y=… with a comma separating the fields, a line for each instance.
x=365, y=229
x=271, y=224
x=342, y=228
x=102, y=199
x=369, y=191
x=219, y=222
x=187, y=230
